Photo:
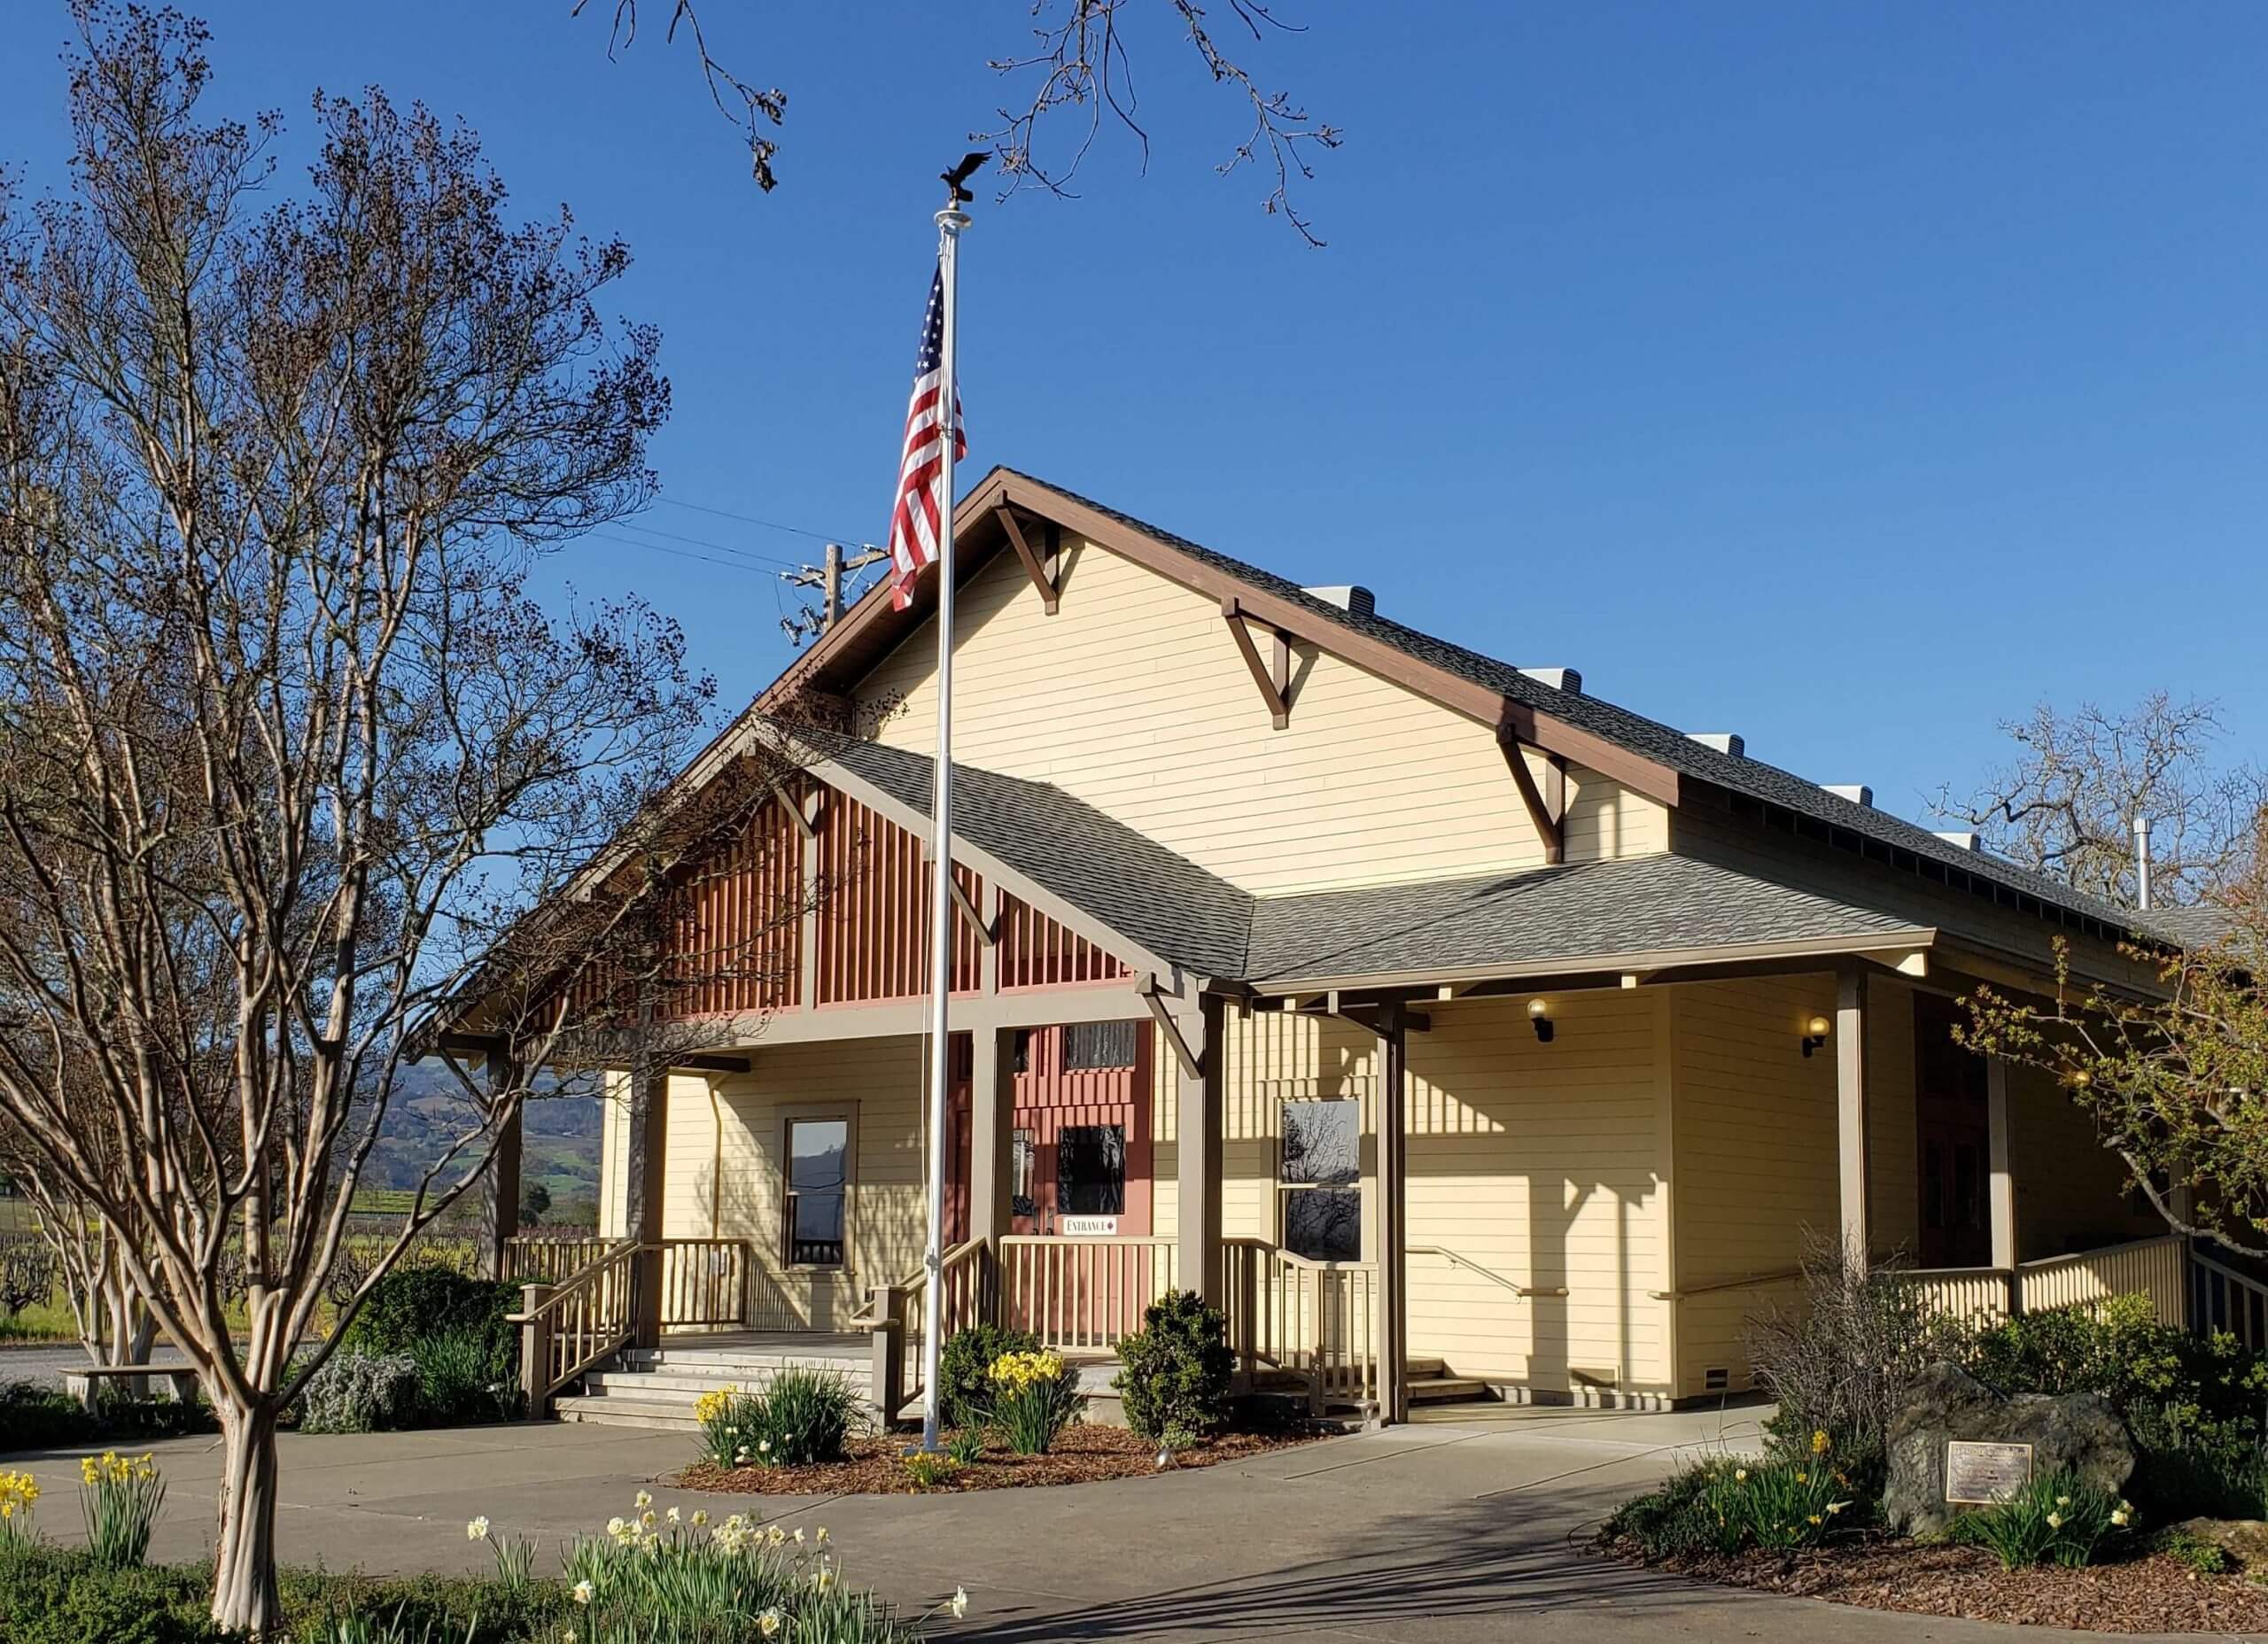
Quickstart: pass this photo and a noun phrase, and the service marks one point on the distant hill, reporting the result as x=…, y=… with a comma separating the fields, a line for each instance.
x=429, y=1109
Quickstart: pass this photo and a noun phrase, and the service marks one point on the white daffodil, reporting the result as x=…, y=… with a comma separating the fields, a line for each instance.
x=582, y=1593
x=820, y=1535
x=961, y=1602
x=671, y=1515
x=2119, y=1516
x=2062, y=1500
x=476, y=1531
x=799, y=1535
x=700, y=1516
x=768, y=1623
x=2055, y=1521
x=615, y=1527
x=642, y=1500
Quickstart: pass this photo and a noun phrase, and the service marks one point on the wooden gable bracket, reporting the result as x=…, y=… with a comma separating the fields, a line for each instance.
x=1546, y=817
x=988, y=931
x=1050, y=596
x=1146, y=985
x=1274, y=682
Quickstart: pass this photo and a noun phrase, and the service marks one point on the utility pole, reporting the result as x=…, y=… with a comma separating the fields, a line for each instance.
x=810, y=623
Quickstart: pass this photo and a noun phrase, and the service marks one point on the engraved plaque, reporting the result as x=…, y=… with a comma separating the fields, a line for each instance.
x=1978, y=1474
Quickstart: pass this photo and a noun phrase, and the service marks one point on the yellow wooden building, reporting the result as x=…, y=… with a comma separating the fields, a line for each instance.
x=1458, y=1031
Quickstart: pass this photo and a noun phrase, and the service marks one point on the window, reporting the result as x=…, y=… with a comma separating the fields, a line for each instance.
x=1319, y=1180
x=1091, y=1170
x=1098, y=1044
x=1022, y=1158
x=819, y=1174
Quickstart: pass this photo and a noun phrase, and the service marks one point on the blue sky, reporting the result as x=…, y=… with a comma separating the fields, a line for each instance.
x=1848, y=377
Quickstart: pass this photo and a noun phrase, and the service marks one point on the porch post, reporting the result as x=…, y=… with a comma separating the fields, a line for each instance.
x=649, y=1128
x=1394, y=1219
x=991, y=1147
x=1851, y=1110
x=2001, y=1209
x=1198, y=1115
x=500, y=1183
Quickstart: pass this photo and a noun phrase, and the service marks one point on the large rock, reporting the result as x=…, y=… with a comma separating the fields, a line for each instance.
x=2244, y=1540
x=2078, y=1431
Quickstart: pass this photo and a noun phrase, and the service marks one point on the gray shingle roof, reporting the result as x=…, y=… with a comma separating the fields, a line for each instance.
x=1648, y=738
x=1580, y=911
x=1126, y=879
x=1189, y=917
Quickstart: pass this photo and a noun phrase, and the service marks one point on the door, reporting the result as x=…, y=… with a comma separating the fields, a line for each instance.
x=1082, y=1130
x=1954, y=1135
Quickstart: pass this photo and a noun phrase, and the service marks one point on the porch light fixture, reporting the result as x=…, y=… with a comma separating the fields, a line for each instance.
x=1539, y=1017
x=1815, y=1033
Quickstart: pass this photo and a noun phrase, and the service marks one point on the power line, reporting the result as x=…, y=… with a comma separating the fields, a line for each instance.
x=704, y=542
x=769, y=524
x=683, y=554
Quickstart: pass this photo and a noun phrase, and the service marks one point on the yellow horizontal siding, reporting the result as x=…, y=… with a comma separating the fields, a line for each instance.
x=1134, y=697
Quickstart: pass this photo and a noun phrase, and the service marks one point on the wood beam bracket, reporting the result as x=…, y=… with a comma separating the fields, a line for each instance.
x=706, y=1063
x=1050, y=596
x=988, y=931
x=1547, y=818
x=1273, y=675
x=1146, y=986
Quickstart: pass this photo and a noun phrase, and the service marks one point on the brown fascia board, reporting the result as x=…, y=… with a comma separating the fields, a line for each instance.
x=871, y=628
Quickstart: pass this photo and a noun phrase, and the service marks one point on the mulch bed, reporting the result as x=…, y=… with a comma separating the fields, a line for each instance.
x=1082, y=1455
x=2152, y=1594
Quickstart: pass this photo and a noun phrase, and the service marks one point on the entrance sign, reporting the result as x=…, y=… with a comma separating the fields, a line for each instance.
x=1089, y=1226
x=1980, y=1473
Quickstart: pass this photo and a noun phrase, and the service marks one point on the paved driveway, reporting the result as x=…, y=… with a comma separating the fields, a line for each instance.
x=1430, y=1534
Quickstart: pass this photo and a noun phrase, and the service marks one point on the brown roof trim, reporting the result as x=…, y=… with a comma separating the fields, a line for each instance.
x=860, y=637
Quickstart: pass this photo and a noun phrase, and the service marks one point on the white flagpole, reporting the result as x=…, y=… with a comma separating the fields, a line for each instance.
x=950, y=222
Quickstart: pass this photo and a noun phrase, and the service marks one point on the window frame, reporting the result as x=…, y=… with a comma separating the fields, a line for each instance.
x=1359, y=1185
x=846, y=1115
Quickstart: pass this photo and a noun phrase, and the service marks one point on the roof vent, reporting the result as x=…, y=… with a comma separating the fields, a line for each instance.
x=1857, y=792
x=1567, y=679
x=1723, y=741
x=1967, y=841
x=1348, y=597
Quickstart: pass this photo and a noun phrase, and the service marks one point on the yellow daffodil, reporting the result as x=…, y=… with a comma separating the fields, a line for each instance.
x=1819, y=1442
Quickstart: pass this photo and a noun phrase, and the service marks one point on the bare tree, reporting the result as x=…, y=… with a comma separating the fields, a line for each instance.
x=1078, y=72
x=2066, y=804
x=290, y=752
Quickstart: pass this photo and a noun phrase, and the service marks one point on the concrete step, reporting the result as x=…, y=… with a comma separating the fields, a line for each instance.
x=619, y=1412
x=672, y=1382
x=1448, y=1389
x=1425, y=1368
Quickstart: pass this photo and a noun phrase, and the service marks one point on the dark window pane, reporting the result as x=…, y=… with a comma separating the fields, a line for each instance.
x=1321, y=1142
x=1091, y=1170
x=1023, y=1049
x=1324, y=1223
x=1099, y=1045
x=817, y=1161
x=1023, y=1157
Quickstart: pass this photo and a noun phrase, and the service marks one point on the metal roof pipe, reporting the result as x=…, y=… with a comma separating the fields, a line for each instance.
x=2142, y=862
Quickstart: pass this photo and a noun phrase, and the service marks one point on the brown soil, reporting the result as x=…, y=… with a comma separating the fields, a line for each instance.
x=2152, y=1594
x=876, y=1466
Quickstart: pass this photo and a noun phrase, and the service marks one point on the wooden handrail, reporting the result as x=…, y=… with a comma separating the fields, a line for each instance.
x=569, y=1327
x=1458, y=1260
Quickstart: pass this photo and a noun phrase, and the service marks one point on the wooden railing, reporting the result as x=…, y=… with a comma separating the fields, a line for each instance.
x=1316, y=1319
x=1082, y=1293
x=570, y=1328
x=540, y=1259
x=968, y=1275
x=705, y=1283
x=1972, y=1295
x=2223, y=1299
x=2150, y=1267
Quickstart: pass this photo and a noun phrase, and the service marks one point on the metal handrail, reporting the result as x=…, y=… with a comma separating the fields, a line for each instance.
x=1753, y=1281
x=1456, y=1260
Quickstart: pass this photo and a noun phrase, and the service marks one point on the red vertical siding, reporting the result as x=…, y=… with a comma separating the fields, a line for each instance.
x=874, y=920
x=1037, y=952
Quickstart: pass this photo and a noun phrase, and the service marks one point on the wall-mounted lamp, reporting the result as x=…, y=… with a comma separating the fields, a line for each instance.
x=1539, y=1017
x=1815, y=1033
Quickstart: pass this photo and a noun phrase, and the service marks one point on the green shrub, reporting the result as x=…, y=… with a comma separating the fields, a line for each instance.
x=36, y=1416
x=359, y=1393
x=1035, y=1397
x=63, y=1596
x=963, y=1392
x=1684, y=1517
x=2195, y=1404
x=413, y=1304
x=2058, y=1518
x=2199, y=1556
x=801, y=1417
x=1178, y=1369
x=464, y=1377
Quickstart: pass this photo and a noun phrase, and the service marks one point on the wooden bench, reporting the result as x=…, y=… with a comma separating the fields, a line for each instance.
x=81, y=1382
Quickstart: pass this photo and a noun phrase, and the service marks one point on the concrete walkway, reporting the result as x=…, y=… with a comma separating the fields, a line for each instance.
x=1442, y=1533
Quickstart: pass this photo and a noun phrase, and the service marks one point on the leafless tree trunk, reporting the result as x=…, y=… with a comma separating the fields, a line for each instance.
x=293, y=758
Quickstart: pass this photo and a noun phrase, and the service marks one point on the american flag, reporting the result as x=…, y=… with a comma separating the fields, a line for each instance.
x=921, y=484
